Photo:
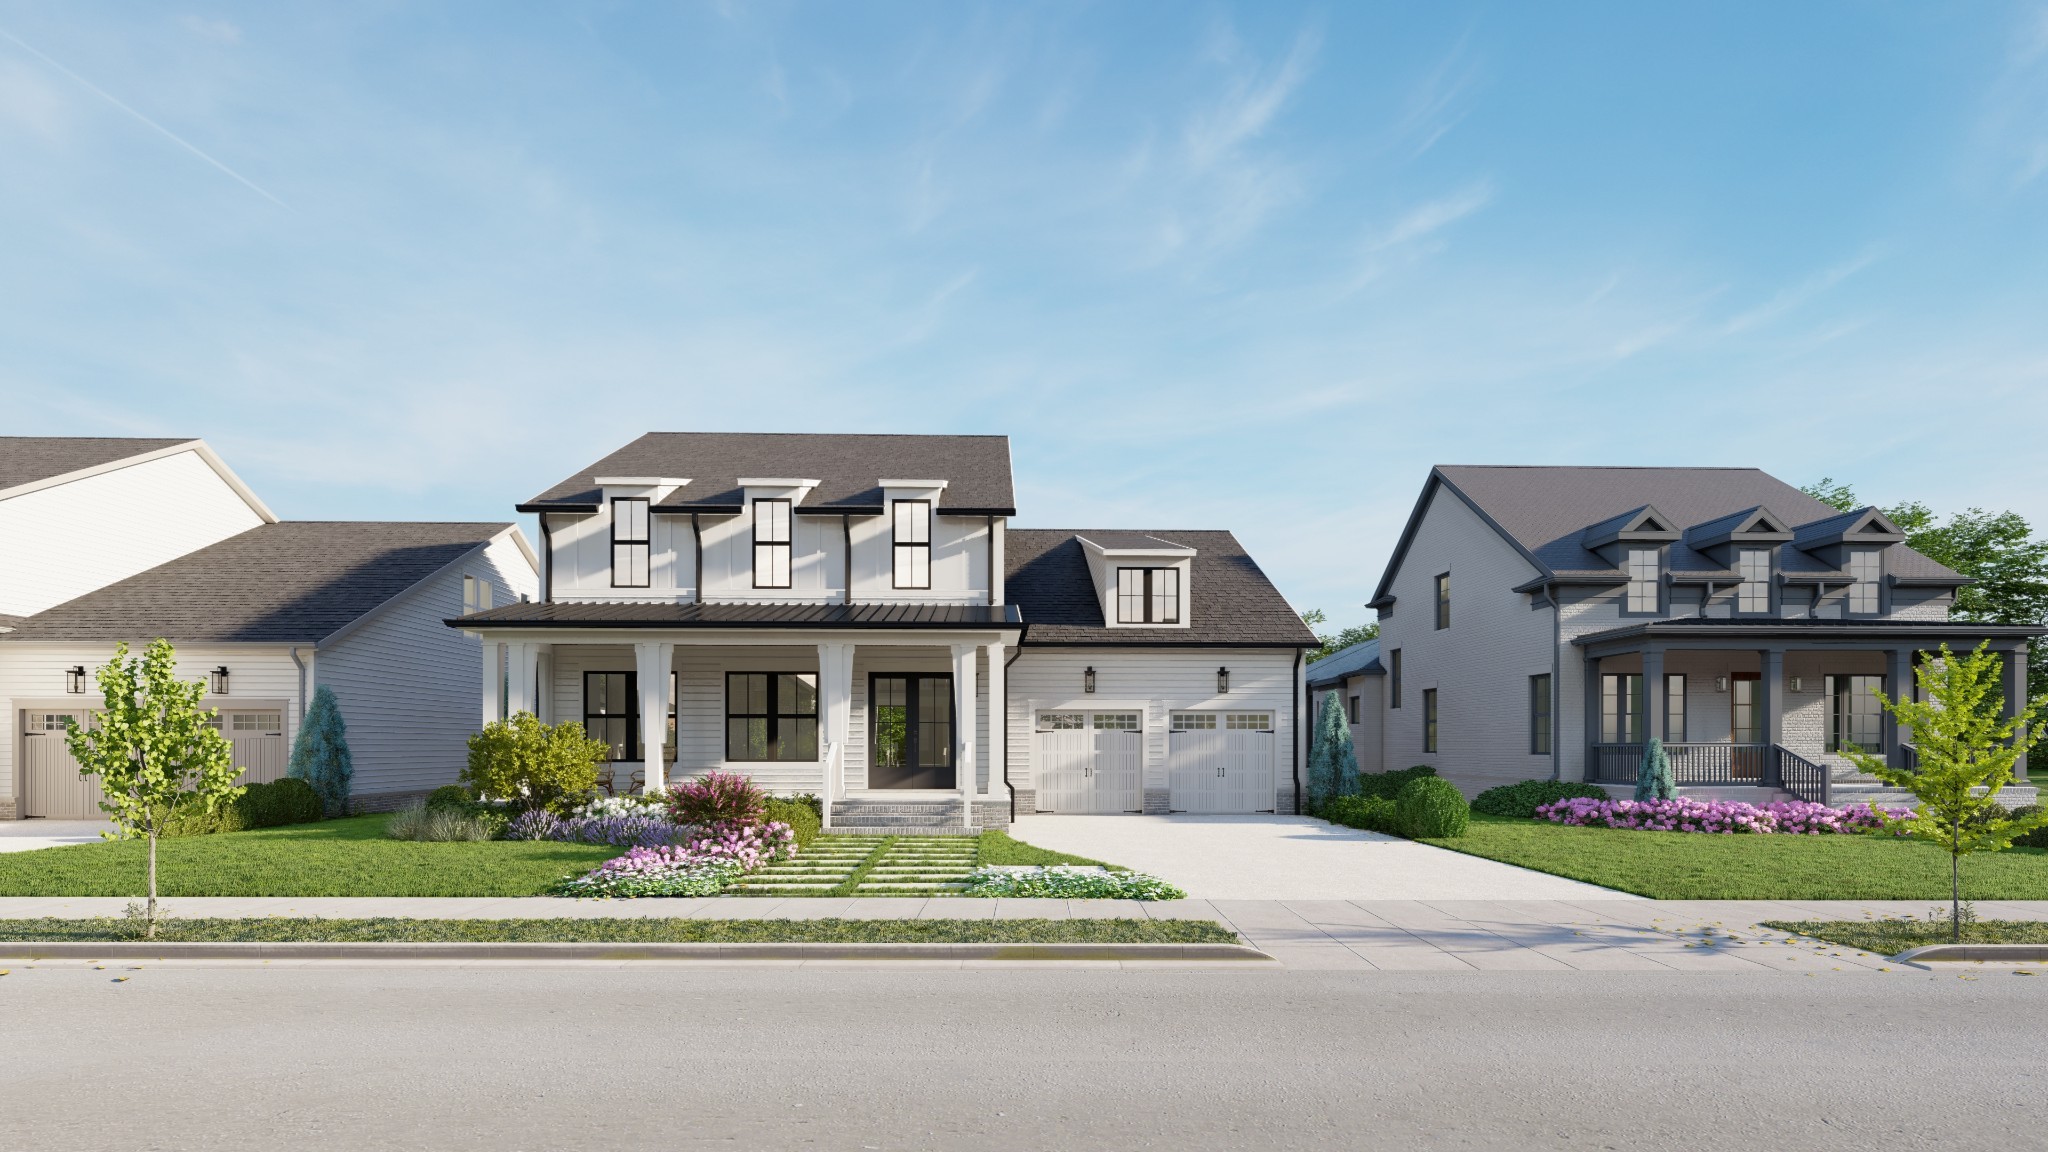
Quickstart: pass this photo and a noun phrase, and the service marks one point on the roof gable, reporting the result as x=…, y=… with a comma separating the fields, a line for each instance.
x=1230, y=600
x=30, y=459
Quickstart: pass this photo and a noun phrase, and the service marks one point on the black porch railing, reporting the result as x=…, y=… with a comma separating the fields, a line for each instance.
x=1802, y=777
x=1708, y=763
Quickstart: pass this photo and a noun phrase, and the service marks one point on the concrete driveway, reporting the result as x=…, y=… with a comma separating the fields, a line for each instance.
x=1292, y=858
x=25, y=835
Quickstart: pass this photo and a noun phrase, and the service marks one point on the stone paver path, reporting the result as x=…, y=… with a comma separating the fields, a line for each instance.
x=884, y=866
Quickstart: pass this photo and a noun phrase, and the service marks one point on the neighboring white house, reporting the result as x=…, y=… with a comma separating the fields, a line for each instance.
x=1547, y=622
x=264, y=611
x=851, y=616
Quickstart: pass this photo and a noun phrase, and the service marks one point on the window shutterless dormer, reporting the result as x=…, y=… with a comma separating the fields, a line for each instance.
x=628, y=506
x=1635, y=543
x=1854, y=544
x=771, y=504
x=910, y=504
x=1142, y=581
x=1741, y=550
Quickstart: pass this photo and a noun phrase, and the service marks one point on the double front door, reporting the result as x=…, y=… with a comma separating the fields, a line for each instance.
x=911, y=731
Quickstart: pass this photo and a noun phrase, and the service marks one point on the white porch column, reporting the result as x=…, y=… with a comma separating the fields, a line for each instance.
x=963, y=721
x=652, y=661
x=494, y=679
x=998, y=721
x=835, y=709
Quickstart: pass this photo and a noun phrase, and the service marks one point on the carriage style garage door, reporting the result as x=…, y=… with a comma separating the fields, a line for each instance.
x=50, y=783
x=1220, y=762
x=258, y=737
x=1089, y=762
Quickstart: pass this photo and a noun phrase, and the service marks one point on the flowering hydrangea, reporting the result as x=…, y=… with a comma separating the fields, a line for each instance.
x=619, y=806
x=1793, y=817
x=668, y=870
x=748, y=845
x=1070, y=882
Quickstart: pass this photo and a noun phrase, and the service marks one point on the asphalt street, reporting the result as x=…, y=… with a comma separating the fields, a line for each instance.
x=909, y=1057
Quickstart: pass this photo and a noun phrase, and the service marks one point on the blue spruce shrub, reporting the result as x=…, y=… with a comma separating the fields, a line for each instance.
x=1332, y=765
x=320, y=754
x=1653, y=779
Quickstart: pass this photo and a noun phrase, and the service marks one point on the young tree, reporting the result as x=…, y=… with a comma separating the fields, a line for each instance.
x=1332, y=764
x=1967, y=753
x=1653, y=776
x=1331, y=642
x=320, y=755
x=152, y=748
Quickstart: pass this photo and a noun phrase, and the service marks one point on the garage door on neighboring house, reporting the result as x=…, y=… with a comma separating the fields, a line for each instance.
x=50, y=783
x=258, y=737
x=1090, y=762
x=1220, y=762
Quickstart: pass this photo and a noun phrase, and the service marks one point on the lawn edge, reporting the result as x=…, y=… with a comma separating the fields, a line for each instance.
x=502, y=951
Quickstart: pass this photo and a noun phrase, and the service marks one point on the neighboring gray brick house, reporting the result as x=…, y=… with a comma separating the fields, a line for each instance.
x=1546, y=622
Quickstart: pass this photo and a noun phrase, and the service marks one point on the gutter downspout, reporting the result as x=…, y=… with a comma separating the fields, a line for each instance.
x=992, y=567
x=302, y=687
x=1006, y=721
x=846, y=532
x=1296, y=692
x=697, y=546
x=1556, y=680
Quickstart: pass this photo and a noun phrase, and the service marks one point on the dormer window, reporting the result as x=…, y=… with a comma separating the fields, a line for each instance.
x=771, y=543
x=631, y=542
x=913, y=543
x=1753, y=593
x=476, y=595
x=1863, y=573
x=1148, y=595
x=1643, y=570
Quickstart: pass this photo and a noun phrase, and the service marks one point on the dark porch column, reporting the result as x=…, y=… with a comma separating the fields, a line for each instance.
x=1592, y=718
x=2013, y=679
x=1653, y=694
x=1898, y=681
x=1771, y=662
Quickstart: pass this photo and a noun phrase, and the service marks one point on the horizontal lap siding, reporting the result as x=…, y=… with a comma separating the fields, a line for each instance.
x=1154, y=682
x=407, y=683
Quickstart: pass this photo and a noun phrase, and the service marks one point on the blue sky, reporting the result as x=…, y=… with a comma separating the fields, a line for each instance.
x=1252, y=267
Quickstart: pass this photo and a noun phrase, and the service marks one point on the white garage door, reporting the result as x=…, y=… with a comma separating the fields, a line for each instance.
x=258, y=737
x=1089, y=762
x=1220, y=762
x=50, y=783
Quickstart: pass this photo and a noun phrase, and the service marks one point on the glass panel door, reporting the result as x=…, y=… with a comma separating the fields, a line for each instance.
x=910, y=731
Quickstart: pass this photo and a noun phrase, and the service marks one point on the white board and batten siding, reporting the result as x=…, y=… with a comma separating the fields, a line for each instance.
x=1155, y=684
x=407, y=683
x=71, y=538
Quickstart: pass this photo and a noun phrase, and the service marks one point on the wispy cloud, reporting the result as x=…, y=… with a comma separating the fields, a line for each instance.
x=1435, y=215
x=1438, y=102
x=1798, y=295
x=1252, y=99
x=110, y=98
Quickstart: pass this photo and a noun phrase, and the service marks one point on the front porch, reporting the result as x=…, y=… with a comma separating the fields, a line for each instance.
x=1764, y=708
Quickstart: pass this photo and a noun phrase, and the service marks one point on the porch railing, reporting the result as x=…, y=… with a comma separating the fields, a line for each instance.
x=1909, y=757
x=1802, y=777
x=1704, y=763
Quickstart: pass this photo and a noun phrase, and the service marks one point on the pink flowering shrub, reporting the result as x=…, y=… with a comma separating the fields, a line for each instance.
x=702, y=866
x=749, y=845
x=714, y=800
x=1790, y=817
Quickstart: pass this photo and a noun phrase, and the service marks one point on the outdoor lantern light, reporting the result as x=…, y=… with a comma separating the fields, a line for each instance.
x=1720, y=683
x=217, y=682
x=74, y=680
x=1222, y=680
x=1088, y=679
x=1798, y=684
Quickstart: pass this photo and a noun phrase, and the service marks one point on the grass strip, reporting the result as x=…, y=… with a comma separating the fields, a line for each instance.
x=997, y=848
x=1891, y=937
x=1701, y=866
x=649, y=930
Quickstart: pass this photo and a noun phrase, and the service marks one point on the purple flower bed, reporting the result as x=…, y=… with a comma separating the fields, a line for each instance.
x=646, y=830
x=1791, y=817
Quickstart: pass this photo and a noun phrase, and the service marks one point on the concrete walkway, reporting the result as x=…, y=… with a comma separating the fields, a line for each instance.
x=1364, y=935
x=28, y=835
x=1293, y=858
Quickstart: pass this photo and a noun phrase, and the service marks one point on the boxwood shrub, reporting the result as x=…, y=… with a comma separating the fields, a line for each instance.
x=1521, y=800
x=272, y=805
x=2038, y=838
x=1387, y=785
x=801, y=817
x=1371, y=813
x=1429, y=806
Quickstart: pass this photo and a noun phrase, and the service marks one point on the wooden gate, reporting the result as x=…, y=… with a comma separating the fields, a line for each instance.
x=51, y=785
x=1220, y=770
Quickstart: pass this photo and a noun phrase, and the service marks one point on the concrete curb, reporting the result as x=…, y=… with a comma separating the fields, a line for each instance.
x=309, y=950
x=1993, y=953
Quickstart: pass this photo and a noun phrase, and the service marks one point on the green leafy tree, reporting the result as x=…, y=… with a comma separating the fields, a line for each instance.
x=1653, y=776
x=1968, y=750
x=1840, y=497
x=153, y=748
x=1330, y=642
x=1332, y=763
x=531, y=764
x=320, y=755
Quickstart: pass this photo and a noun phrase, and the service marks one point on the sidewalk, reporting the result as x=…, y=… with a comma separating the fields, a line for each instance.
x=1393, y=935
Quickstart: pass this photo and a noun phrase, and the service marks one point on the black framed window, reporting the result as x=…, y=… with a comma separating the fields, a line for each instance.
x=1429, y=719
x=911, y=722
x=631, y=542
x=1394, y=678
x=1539, y=715
x=1674, y=708
x=771, y=543
x=1148, y=595
x=611, y=711
x=771, y=716
x=913, y=545
x=1443, y=601
x=1622, y=718
x=1351, y=709
x=1855, y=718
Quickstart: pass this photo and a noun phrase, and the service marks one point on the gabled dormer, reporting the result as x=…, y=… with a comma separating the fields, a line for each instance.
x=1141, y=582
x=1635, y=542
x=1854, y=544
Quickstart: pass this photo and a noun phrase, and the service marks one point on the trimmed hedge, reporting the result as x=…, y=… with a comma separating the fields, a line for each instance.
x=802, y=817
x=1431, y=807
x=1371, y=813
x=1521, y=800
x=1387, y=785
x=2038, y=838
x=272, y=805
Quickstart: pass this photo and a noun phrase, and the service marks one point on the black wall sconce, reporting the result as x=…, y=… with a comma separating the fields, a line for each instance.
x=74, y=680
x=1222, y=681
x=217, y=681
x=1088, y=680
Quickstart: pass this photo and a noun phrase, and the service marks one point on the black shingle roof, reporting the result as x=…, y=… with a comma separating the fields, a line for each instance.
x=846, y=465
x=1230, y=601
x=295, y=582
x=1361, y=659
x=27, y=459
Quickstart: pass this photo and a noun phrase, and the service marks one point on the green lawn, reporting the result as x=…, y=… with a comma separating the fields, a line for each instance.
x=1698, y=866
x=996, y=847
x=648, y=930
x=332, y=858
x=1891, y=937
